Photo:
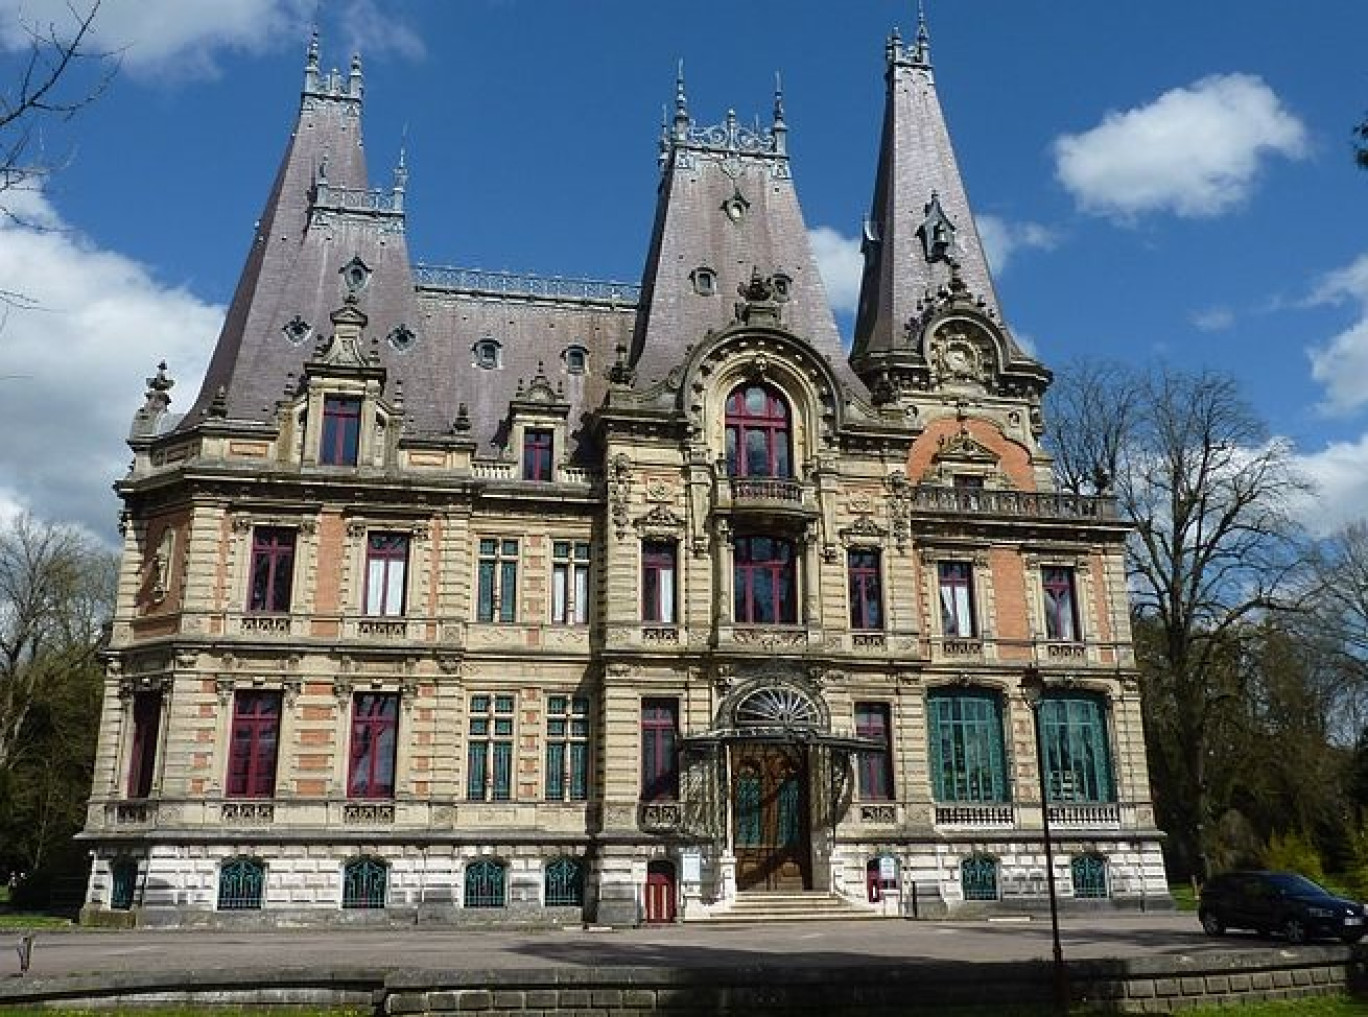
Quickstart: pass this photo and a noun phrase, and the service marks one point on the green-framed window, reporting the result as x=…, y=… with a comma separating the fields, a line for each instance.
x=485, y=884
x=497, y=592
x=1073, y=733
x=979, y=877
x=489, y=747
x=123, y=877
x=241, y=884
x=567, y=748
x=364, y=882
x=968, y=763
x=1089, y=873
x=564, y=883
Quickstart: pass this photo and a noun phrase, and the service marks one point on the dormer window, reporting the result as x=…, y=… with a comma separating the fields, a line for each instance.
x=783, y=286
x=537, y=446
x=487, y=353
x=704, y=281
x=341, y=431
x=576, y=358
x=401, y=337
x=297, y=330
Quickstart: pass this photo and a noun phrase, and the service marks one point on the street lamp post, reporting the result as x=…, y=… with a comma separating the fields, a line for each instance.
x=1033, y=689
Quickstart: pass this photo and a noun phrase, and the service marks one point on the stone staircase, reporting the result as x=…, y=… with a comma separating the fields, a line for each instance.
x=801, y=906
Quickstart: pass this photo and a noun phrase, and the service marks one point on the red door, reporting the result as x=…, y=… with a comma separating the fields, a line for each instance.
x=660, y=893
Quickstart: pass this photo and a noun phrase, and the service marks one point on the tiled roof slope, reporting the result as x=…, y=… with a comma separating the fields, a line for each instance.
x=917, y=190
x=727, y=206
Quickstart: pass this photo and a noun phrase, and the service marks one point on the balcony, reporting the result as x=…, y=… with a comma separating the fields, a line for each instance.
x=979, y=815
x=937, y=499
x=761, y=498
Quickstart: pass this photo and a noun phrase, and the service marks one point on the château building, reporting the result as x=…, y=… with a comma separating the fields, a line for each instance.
x=467, y=596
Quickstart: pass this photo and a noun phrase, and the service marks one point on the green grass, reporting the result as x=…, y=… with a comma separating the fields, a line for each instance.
x=1314, y=1006
x=1184, y=896
x=195, y=1011
x=31, y=920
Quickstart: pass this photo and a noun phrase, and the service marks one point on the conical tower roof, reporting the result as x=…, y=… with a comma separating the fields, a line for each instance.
x=921, y=232
x=727, y=211
x=323, y=235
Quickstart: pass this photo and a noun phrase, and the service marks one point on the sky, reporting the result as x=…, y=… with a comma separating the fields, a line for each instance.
x=1169, y=181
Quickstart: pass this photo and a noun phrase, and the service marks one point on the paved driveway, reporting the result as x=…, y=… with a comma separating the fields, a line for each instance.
x=90, y=952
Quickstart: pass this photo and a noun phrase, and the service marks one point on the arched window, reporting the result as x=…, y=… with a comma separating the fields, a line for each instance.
x=1089, y=873
x=979, y=877
x=241, y=882
x=765, y=581
x=564, y=883
x=1073, y=732
x=485, y=885
x=364, y=881
x=758, y=433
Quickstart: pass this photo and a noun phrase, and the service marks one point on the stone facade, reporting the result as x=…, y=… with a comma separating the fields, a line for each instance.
x=525, y=601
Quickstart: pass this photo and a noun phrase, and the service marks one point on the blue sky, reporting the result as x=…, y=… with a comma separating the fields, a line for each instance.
x=1167, y=180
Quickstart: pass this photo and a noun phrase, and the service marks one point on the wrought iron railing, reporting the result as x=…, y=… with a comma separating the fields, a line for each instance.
x=531, y=287
x=766, y=489
x=996, y=814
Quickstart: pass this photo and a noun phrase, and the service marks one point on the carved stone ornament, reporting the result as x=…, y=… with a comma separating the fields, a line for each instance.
x=863, y=530
x=658, y=489
x=899, y=507
x=960, y=352
x=963, y=447
x=620, y=492
x=659, y=520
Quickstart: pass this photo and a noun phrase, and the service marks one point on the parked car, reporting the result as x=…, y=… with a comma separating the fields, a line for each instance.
x=1281, y=902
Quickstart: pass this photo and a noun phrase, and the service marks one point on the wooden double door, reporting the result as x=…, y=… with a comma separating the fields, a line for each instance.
x=770, y=816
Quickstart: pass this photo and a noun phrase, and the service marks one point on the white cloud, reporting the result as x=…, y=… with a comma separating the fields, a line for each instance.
x=1213, y=319
x=153, y=37
x=1001, y=239
x=841, y=264
x=1340, y=473
x=73, y=361
x=1341, y=364
x=1194, y=151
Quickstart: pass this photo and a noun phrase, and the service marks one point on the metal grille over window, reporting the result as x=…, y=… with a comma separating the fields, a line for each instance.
x=567, y=748
x=979, y=877
x=123, y=875
x=241, y=882
x=489, y=748
x=484, y=885
x=364, y=881
x=1074, y=740
x=564, y=883
x=1089, y=873
x=785, y=708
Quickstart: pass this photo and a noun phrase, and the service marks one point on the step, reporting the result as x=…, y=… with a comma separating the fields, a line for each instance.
x=811, y=906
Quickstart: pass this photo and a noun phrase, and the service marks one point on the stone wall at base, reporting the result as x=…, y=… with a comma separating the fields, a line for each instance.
x=1142, y=985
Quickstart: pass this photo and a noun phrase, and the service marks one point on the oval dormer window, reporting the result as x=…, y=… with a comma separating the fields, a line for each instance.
x=402, y=338
x=576, y=359
x=704, y=281
x=486, y=353
x=783, y=285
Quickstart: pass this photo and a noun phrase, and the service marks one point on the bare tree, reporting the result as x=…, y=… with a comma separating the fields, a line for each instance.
x=1336, y=598
x=1214, y=547
x=51, y=85
x=1094, y=406
x=56, y=596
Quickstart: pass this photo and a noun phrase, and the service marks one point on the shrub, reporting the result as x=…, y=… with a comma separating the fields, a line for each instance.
x=1295, y=853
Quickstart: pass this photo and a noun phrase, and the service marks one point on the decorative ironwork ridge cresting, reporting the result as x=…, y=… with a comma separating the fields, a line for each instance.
x=733, y=136
x=478, y=282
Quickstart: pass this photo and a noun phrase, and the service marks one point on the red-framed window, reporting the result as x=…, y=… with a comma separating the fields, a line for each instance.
x=253, y=744
x=766, y=581
x=866, y=591
x=374, y=733
x=1061, y=610
x=758, y=433
x=957, y=598
x=386, y=573
x=875, y=766
x=341, y=431
x=142, y=753
x=272, y=576
x=658, y=568
x=659, y=749
x=537, y=447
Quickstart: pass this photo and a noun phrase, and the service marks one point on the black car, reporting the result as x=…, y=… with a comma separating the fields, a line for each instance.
x=1282, y=902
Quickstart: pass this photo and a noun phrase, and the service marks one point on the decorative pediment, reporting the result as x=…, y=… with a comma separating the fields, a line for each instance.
x=864, y=530
x=660, y=519
x=539, y=397
x=962, y=447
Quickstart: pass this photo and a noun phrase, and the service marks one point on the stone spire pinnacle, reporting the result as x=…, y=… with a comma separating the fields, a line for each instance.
x=681, y=113
x=920, y=234
x=779, y=128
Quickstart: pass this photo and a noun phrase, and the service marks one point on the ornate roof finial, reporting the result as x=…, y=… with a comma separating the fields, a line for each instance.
x=311, y=63
x=354, y=81
x=401, y=171
x=780, y=128
x=921, y=50
x=681, y=115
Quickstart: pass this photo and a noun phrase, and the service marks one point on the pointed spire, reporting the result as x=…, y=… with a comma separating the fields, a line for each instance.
x=355, y=84
x=681, y=115
x=921, y=50
x=779, y=129
x=311, y=63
